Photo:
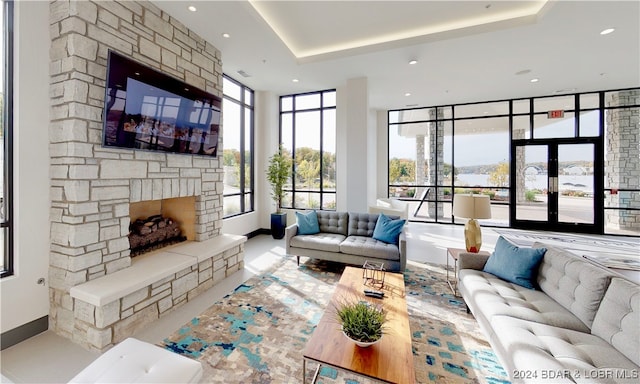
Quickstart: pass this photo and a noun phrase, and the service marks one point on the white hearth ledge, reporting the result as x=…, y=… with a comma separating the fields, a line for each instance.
x=152, y=267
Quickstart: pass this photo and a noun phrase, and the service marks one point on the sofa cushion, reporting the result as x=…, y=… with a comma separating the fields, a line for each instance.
x=329, y=242
x=307, y=223
x=367, y=246
x=548, y=354
x=514, y=264
x=136, y=361
x=573, y=281
x=333, y=222
x=618, y=318
x=496, y=297
x=388, y=230
x=362, y=224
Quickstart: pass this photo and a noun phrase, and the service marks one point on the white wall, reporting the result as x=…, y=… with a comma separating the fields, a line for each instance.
x=22, y=299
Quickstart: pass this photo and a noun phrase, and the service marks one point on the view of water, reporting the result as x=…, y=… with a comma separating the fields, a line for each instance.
x=578, y=183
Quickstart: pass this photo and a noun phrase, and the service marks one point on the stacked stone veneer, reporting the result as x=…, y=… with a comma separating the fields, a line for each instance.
x=99, y=326
x=622, y=162
x=92, y=186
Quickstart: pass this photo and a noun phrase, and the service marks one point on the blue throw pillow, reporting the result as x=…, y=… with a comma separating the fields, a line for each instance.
x=388, y=230
x=307, y=223
x=514, y=264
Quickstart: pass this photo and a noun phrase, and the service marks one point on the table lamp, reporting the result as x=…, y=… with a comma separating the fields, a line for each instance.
x=472, y=207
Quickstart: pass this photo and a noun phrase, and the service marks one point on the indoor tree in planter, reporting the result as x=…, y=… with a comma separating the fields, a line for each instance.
x=277, y=174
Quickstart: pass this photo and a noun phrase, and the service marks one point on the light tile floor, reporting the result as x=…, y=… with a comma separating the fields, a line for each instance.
x=49, y=358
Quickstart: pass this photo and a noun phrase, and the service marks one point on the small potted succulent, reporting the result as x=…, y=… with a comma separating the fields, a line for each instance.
x=361, y=321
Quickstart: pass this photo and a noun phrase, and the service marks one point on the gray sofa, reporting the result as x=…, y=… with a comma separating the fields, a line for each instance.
x=346, y=237
x=581, y=325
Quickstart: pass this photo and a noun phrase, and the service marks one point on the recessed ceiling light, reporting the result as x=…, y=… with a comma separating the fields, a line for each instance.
x=534, y=80
x=523, y=72
x=226, y=35
x=412, y=62
x=607, y=31
x=192, y=8
x=407, y=94
x=295, y=80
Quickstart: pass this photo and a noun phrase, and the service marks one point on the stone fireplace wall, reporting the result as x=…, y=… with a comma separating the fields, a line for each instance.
x=92, y=186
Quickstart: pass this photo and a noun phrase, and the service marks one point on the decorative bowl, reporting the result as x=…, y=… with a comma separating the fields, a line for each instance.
x=361, y=344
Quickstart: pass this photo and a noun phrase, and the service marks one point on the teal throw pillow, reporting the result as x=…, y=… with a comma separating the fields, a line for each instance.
x=514, y=264
x=307, y=223
x=388, y=230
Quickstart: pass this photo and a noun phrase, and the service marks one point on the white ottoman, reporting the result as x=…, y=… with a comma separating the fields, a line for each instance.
x=134, y=361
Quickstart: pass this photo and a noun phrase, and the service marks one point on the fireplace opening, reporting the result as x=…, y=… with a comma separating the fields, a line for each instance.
x=154, y=232
x=156, y=224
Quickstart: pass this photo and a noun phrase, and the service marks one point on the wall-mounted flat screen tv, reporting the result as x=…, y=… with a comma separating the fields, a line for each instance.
x=146, y=109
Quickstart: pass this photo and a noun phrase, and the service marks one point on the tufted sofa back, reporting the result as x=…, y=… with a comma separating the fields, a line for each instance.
x=362, y=224
x=333, y=222
x=572, y=281
x=618, y=317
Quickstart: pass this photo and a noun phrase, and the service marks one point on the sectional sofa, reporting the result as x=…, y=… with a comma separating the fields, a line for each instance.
x=580, y=324
x=347, y=237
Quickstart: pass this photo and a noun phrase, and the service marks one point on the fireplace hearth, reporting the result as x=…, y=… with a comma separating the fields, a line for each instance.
x=152, y=233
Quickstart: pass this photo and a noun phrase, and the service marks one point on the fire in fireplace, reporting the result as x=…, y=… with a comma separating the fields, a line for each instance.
x=152, y=233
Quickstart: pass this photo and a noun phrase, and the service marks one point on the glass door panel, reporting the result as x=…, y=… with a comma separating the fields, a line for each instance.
x=555, y=187
x=532, y=183
x=575, y=183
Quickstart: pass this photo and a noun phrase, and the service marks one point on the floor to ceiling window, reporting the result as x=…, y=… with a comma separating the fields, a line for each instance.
x=308, y=134
x=545, y=162
x=6, y=145
x=237, y=156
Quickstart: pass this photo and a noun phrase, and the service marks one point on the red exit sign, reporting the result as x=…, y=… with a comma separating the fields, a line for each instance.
x=556, y=114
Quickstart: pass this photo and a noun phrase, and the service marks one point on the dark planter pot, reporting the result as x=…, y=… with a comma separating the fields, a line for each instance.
x=278, y=225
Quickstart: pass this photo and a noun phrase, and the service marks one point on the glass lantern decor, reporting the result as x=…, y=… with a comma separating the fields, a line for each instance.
x=373, y=274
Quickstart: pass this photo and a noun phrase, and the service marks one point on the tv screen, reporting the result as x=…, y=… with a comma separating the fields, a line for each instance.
x=146, y=109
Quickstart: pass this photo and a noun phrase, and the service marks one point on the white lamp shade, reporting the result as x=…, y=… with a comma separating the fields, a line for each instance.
x=472, y=206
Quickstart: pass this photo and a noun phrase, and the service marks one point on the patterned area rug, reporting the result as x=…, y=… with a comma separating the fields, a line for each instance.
x=256, y=334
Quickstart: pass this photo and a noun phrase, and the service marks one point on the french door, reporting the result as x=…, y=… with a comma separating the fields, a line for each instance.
x=557, y=185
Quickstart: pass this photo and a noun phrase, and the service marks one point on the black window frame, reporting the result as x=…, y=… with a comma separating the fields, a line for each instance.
x=600, y=208
x=244, y=189
x=7, y=204
x=321, y=192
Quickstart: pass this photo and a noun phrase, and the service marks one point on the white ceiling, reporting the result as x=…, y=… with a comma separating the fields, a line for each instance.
x=466, y=50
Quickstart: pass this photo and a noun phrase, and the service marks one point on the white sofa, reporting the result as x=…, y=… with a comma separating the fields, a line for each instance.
x=582, y=323
x=393, y=207
x=135, y=361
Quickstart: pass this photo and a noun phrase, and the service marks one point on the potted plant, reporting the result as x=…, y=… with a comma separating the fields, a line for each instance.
x=361, y=321
x=277, y=174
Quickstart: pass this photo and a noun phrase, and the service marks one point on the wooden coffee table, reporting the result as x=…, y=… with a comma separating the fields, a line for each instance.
x=390, y=360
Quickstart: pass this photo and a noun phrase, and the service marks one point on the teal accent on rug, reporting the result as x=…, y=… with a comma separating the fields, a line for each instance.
x=257, y=333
